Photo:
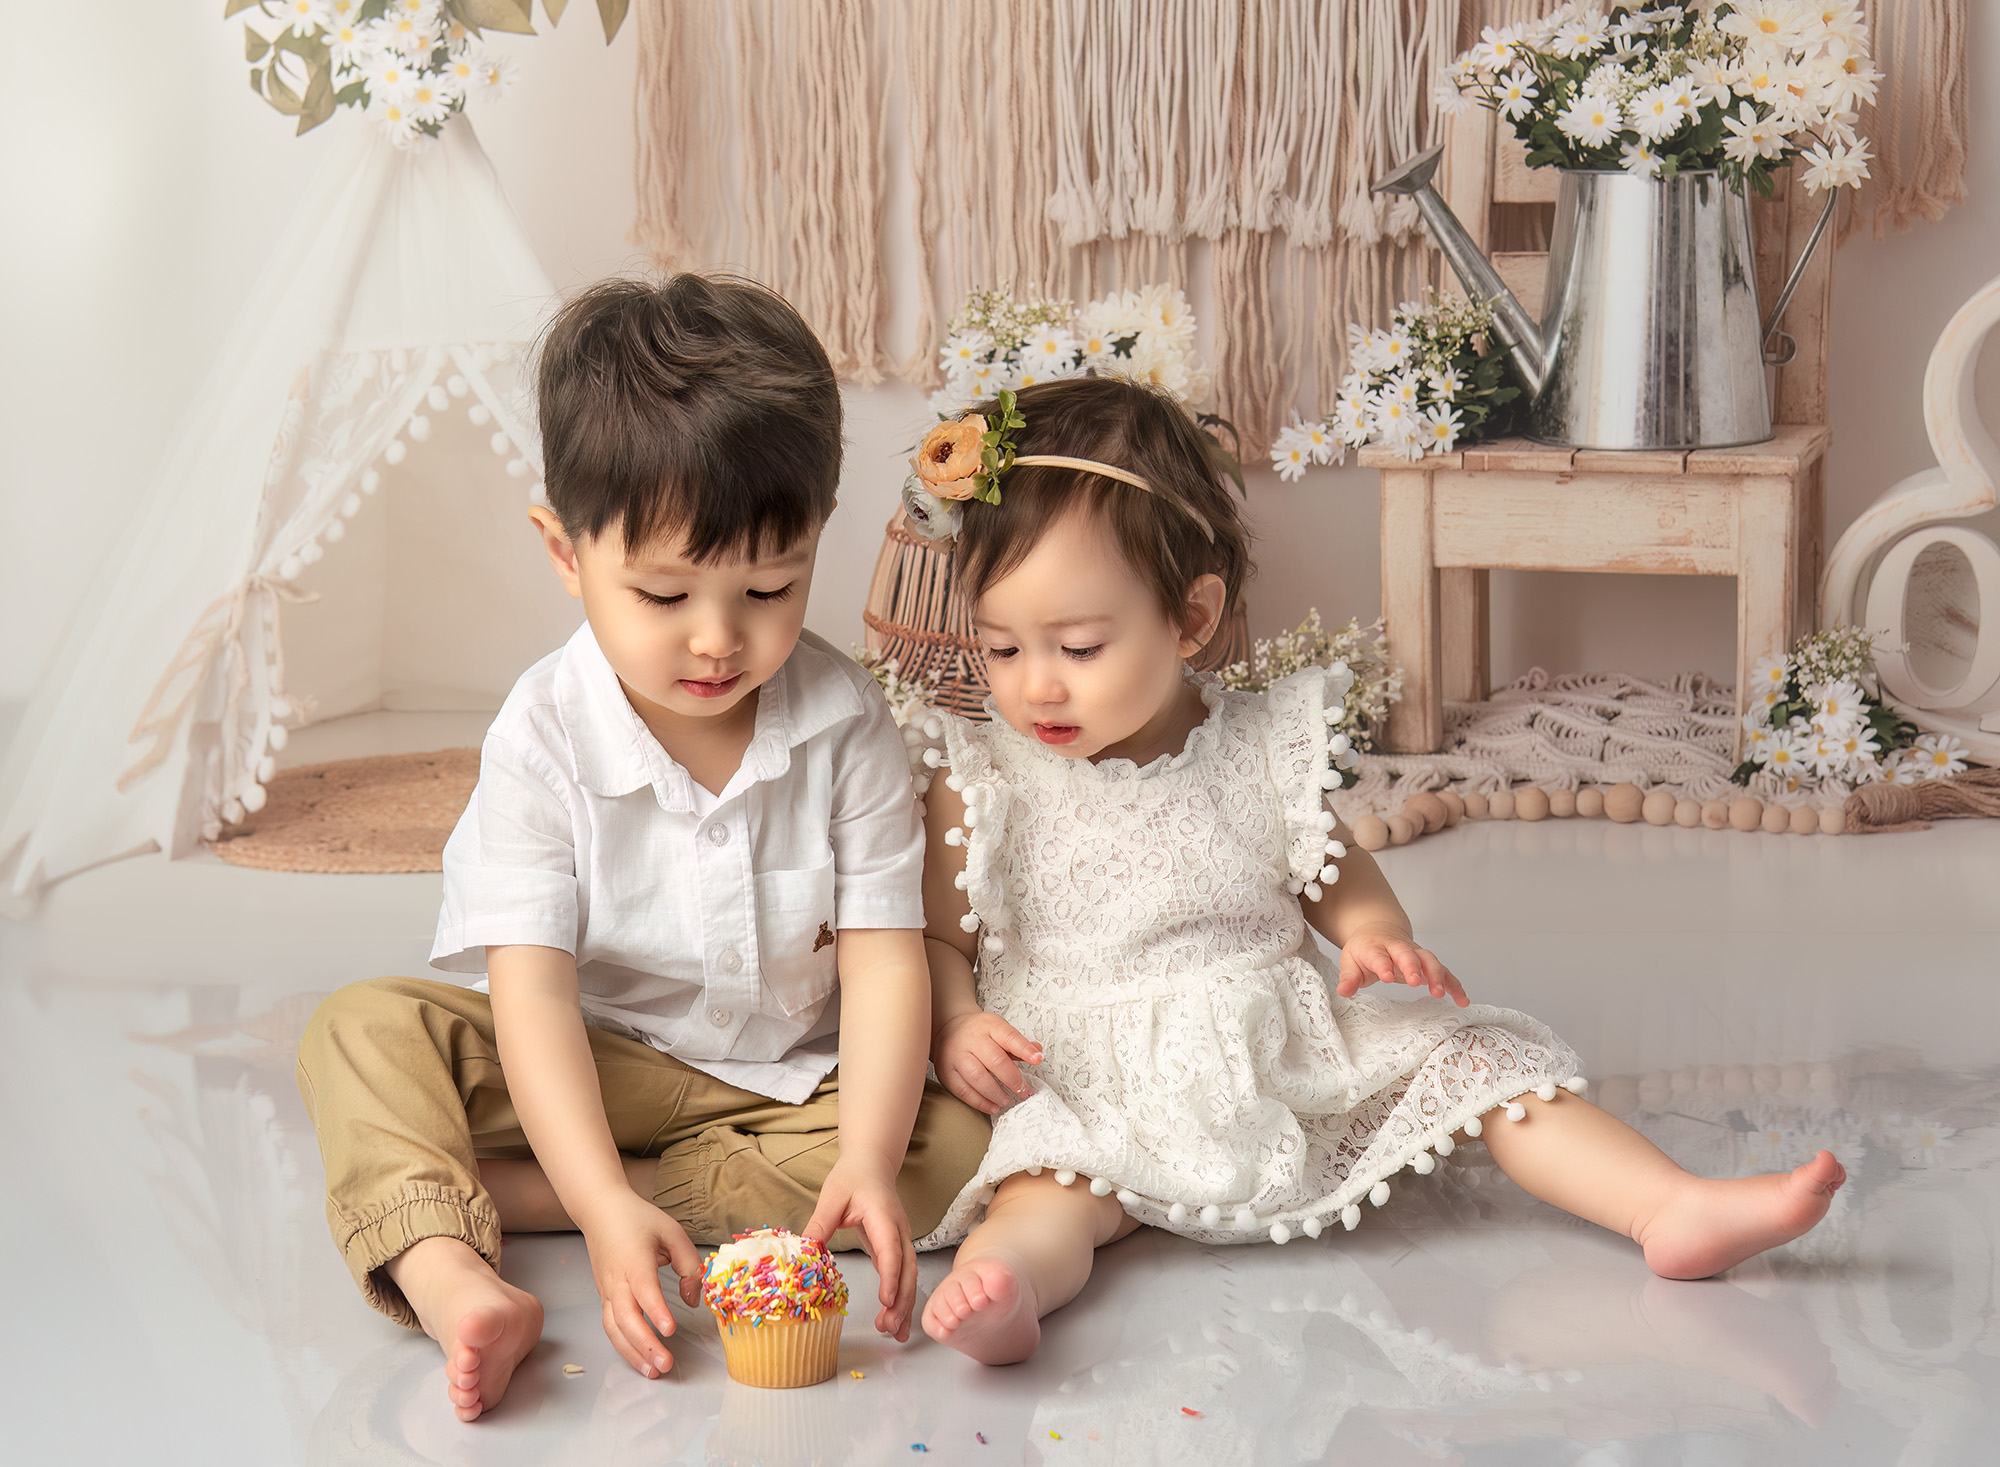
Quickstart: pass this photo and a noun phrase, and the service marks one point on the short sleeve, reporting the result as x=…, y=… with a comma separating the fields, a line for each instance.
x=510, y=865
x=877, y=837
x=1307, y=753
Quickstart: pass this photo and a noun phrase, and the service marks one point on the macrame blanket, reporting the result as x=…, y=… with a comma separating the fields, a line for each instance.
x=1562, y=732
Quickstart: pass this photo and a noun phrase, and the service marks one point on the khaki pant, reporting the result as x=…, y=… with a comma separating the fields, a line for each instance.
x=403, y=1082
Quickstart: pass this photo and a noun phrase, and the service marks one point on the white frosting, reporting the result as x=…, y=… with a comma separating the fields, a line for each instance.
x=764, y=1243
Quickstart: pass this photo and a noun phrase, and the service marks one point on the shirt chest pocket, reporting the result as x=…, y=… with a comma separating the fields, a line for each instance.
x=795, y=935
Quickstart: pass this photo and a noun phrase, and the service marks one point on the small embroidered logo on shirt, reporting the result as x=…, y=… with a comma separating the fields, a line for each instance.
x=825, y=938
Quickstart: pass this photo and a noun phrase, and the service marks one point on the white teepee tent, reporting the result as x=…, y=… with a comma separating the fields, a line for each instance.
x=404, y=286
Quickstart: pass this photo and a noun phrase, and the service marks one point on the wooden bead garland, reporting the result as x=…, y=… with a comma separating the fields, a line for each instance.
x=1430, y=811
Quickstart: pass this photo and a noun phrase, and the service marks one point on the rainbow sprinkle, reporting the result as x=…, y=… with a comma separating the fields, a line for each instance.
x=775, y=1289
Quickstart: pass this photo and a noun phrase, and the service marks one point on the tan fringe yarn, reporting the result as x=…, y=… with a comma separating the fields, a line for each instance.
x=1918, y=124
x=1886, y=807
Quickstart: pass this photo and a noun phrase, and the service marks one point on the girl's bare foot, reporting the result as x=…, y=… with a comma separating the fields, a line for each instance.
x=485, y=1324
x=1706, y=1226
x=985, y=1309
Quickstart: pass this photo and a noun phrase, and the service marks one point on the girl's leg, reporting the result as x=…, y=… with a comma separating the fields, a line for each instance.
x=1588, y=1162
x=1031, y=1255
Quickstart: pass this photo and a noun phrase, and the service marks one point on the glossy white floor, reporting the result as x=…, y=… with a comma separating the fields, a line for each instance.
x=173, y=1296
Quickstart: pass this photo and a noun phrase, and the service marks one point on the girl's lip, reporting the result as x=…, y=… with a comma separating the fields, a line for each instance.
x=710, y=688
x=1056, y=733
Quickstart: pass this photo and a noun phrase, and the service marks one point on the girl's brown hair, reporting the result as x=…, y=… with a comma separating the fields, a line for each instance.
x=1112, y=420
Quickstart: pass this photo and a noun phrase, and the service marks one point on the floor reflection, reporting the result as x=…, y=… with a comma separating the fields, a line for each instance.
x=1462, y=1323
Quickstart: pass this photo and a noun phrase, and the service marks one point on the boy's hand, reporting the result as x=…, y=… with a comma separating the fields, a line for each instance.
x=974, y=1055
x=857, y=1196
x=630, y=1240
x=1386, y=955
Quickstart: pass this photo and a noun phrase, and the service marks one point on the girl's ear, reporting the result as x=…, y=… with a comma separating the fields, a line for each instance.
x=1204, y=613
x=556, y=541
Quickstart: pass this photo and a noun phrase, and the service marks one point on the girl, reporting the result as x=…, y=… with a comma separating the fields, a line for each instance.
x=1132, y=856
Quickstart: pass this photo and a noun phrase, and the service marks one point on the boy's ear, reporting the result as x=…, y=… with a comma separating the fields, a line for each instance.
x=556, y=541
x=1204, y=613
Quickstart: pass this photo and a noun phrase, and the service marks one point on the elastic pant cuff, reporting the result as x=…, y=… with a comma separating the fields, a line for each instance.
x=370, y=1239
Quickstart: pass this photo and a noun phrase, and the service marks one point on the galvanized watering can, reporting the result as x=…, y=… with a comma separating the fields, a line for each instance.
x=1650, y=335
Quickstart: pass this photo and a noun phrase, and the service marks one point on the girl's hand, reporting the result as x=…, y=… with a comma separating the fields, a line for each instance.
x=855, y=1196
x=629, y=1241
x=1385, y=955
x=974, y=1055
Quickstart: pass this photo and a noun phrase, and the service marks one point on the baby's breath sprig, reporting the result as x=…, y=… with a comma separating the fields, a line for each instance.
x=1377, y=682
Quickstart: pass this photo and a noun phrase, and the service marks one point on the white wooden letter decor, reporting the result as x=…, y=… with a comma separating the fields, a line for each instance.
x=1874, y=573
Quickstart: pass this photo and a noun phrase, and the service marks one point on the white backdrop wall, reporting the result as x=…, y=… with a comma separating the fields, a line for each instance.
x=140, y=207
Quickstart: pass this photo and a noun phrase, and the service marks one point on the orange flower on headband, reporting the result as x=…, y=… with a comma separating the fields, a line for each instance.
x=949, y=462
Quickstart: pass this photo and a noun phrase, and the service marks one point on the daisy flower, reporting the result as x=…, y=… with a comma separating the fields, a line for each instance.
x=347, y=45
x=1583, y=36
x=1395, y=349
x=305, y=16
x=1860, y=748
x=1709, y=80
x=1775, y=25
x=1395, y=421
x=1936, y=756
x=389, y=78
x=343, y=12
x=1827, y=755
x=1658, y=112
x=1103, y=324
x=1925, y=1141
x=1440, y=428
x=1837, y=707
x=427, y=100
x=407, y=34
x=1290, y=452
x=1839, y=166
x=1404, y=386
x=983, y=379
x=1168, y=313
x=1517, y=94
x=1757, y=741
x=1785, y=754
x=1050, y=352
x=1771, y=672
x=1593, y=119
x=962, y=348
x=1447, y=382
x=497, y=75
x=1640, y=160
x=1844, y=78
x=396, y=120
x=1496, y=50
x=461, y=73
x=1448, y=99
x=1751, y=136
x=1321, y=444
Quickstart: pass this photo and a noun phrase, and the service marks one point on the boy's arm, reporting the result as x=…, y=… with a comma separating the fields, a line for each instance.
x=1360, y=915
x=977, y=1055
x=552, y=1080
x=885, y=1012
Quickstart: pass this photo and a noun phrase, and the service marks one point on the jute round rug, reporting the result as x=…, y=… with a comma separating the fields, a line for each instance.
x=388, y=813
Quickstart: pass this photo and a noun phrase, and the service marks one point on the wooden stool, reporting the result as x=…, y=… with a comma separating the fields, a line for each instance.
x=1755, y=513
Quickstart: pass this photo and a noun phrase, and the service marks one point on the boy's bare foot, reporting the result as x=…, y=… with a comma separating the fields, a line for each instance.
x=485, y=1325
x=985, y=1309
x=1707, y=1226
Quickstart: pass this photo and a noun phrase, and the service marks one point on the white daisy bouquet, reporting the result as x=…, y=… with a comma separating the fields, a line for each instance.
x=999, y=344
x=1377, y=681
x=1816, y=718
x=409, y=64
x=1744, y=86
x=1434, y=380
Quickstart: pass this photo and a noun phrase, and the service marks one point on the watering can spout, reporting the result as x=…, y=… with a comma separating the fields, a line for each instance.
x=1511, y=322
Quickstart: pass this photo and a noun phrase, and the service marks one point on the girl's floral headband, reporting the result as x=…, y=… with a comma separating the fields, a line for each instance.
x=963, y=460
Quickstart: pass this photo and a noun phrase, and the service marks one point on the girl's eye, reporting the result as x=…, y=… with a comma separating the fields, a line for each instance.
x=782, y=593
x=1083, y=654
x=651, y=600
x=1001, y=653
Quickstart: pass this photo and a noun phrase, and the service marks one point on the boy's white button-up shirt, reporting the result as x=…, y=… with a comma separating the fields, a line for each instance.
x=703, y=925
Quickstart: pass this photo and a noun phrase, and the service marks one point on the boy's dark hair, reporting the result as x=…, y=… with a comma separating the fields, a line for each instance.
x=1114, y=421
x=697, y=406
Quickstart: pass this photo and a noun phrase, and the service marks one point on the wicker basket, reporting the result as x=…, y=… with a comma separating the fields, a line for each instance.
x=916, y=616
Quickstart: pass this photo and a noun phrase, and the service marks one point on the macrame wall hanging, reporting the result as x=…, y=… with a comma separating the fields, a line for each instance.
x=1066, y=147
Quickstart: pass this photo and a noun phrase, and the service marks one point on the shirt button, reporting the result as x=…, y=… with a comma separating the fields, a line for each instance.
x=720, y=1018
x=718, y=834
x=729, y=960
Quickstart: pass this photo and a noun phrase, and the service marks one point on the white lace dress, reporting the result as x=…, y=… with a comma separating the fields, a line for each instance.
x=1143, y=925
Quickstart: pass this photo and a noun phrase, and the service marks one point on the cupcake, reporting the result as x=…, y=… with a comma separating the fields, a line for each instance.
x=779, y=1302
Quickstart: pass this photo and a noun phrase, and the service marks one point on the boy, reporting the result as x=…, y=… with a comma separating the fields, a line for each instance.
x=692, y=823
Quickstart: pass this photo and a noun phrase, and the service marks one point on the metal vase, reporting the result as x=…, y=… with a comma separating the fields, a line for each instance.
x=1650, y=327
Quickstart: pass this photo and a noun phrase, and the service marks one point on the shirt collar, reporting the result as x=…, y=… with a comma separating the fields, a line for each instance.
x=613, y=753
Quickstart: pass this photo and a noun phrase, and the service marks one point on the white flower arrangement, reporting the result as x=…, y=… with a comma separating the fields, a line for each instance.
x=1433, y=381
x=1377, y=681
x=1815, y=719
x=998, y=344
x=1745, y=86
x=409, y=64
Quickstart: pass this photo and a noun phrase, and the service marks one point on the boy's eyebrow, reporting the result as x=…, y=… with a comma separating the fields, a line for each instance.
x=1061, y=621
x=792, y=560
